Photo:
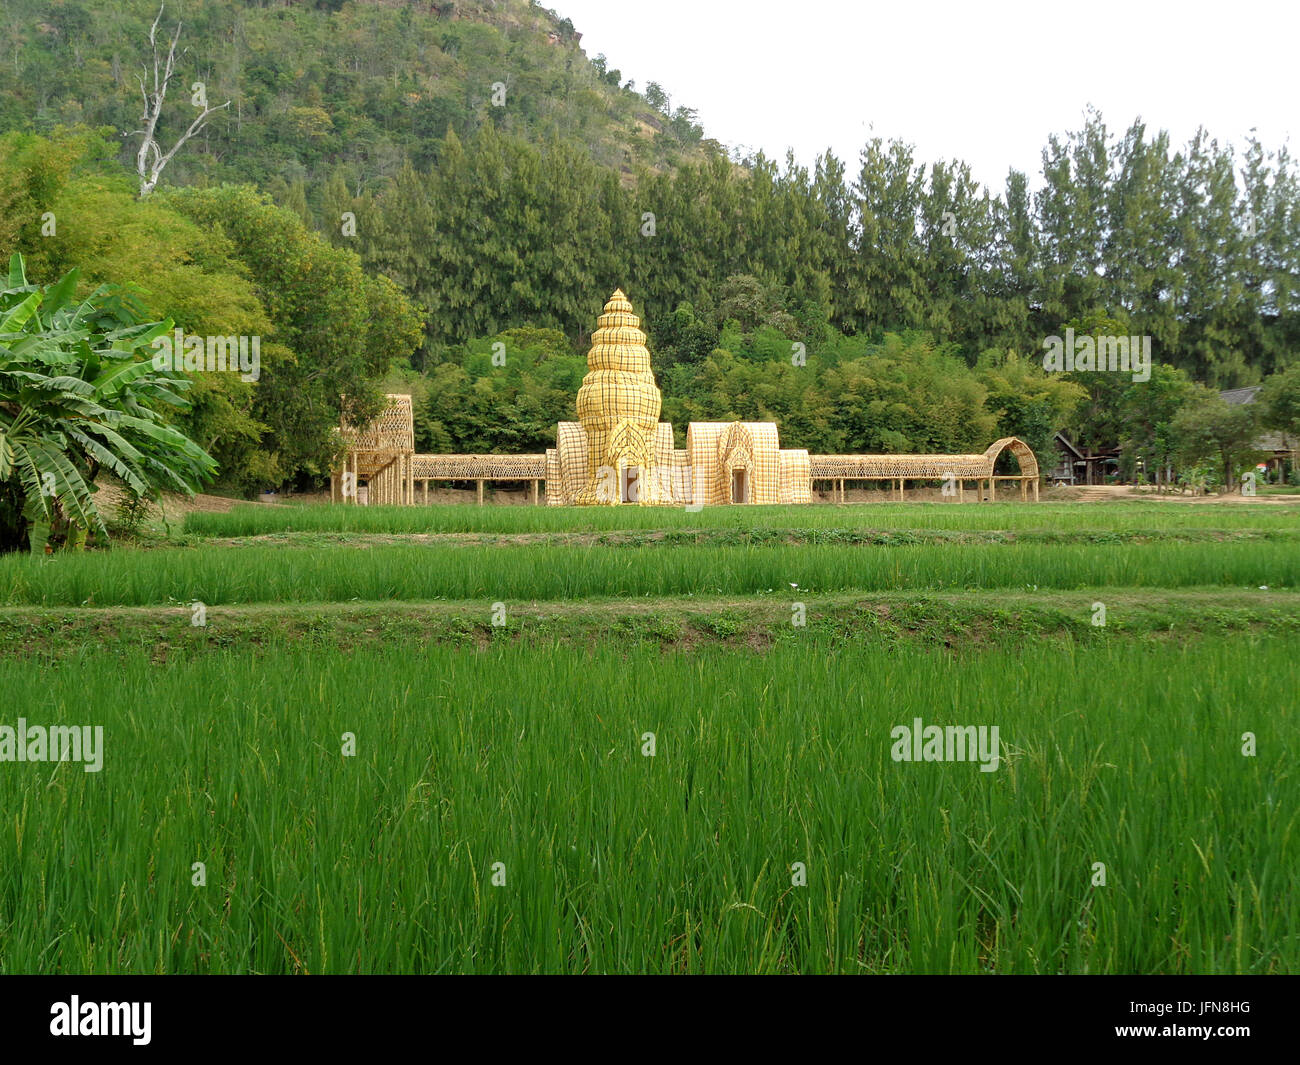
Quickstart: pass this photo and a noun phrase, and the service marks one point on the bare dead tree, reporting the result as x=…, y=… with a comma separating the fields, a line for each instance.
x=150, y=160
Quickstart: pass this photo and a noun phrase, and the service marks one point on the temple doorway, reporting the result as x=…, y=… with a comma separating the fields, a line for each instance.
x=740, y=486
x=629, y=491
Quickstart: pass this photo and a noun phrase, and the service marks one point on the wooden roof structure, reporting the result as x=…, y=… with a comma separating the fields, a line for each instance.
x=475, y=467
x=923, y=467
x=956, y=468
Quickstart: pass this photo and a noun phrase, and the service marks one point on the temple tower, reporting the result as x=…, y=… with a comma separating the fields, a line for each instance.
x=618, y=408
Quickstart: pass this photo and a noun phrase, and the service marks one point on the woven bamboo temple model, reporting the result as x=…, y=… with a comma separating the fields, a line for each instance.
x=618, y=451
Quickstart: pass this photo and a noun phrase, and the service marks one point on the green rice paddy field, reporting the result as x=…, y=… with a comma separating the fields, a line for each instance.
x=644, y=740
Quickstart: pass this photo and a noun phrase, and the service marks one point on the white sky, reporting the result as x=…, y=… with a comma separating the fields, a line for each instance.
x=981, y=81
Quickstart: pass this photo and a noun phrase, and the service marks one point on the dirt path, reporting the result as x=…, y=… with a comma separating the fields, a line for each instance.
x=1097, y=493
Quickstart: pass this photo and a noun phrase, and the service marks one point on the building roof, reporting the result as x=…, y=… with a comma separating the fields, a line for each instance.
x=1066, y=442
x=1270, y=440
x=1240, y=395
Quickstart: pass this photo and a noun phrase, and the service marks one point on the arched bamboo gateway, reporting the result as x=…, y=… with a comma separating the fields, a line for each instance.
x=619, y=452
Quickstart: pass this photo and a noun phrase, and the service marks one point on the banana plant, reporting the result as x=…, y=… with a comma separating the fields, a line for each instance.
x=79, y=394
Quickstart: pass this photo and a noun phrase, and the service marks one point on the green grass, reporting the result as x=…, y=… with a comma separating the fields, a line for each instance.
x=964, y=621
x=1135, y=516
x=252, y=574
x=521, y=743
x=681, y=862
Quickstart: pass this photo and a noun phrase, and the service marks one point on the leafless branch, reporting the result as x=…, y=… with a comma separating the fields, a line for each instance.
x=150, y=160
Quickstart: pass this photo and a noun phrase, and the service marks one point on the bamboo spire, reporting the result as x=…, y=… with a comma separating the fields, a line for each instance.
x=618, y=406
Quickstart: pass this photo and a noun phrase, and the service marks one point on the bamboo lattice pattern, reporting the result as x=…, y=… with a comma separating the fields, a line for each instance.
x=381, y=455
x=923, y=467
x=618, y=406
x=479, y=467
x=796, y=477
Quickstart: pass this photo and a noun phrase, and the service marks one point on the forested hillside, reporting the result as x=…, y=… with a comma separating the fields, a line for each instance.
x=473, y=154
x=325, y=87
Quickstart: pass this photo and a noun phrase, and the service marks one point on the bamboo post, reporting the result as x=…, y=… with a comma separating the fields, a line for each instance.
x=426, y=491
x=480, y=491
x=534, y=491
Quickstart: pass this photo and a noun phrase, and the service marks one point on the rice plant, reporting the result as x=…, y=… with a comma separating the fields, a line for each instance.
x=1137, y=516
x=553, y=810
x=250, y=574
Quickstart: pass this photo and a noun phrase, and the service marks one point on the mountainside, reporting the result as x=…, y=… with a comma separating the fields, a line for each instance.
x=314, y=87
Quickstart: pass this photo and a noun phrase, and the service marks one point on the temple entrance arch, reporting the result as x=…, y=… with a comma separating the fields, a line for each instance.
x=630, y=484
x=736, y=463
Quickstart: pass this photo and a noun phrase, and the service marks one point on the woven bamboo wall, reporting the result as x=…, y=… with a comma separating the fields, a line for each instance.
x=555, y=494
x=391, y=432
x=717, y=449
x=677, y=473
x=796, y=477
x=701, y=450
x=380, y=454
x=571, y=446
